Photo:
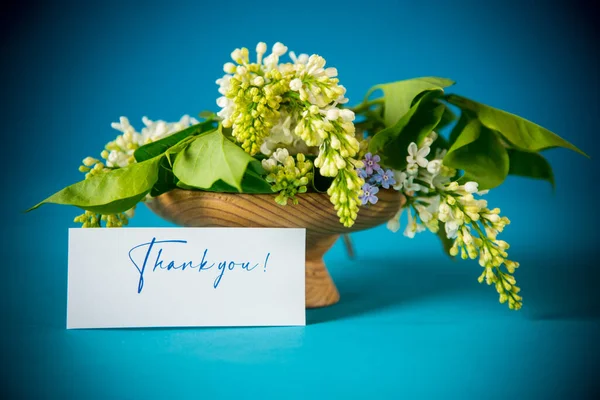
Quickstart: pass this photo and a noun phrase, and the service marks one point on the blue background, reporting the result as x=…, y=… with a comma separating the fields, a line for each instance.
x=411, y=323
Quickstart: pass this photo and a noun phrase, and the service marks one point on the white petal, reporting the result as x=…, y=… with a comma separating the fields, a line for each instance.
x=229, y=68
x=293, y=57
x=332, y=114
x=423, y=151
x=261, y=48
x=296, y=84
x=471, y=187
x=413, y=149
x=279, y=49
x=222, y=101
x=393, y=225
x=347, y=115
x=331, y=72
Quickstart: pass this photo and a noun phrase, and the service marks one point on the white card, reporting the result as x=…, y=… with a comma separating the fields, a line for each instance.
x=164, y=277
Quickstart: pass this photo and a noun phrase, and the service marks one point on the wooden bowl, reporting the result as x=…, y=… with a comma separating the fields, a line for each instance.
x=314, y=212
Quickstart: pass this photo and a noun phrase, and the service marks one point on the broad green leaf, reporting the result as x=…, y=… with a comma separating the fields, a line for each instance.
x=256, y=165
x=209, y=158
x=391, y=143
x=530, y=165
x=521, y=133
x=459, y=127
x=448, y=117
x=166, y=180
x=399, y=96
x=118, y=205
x=110, y=192
x=252, y=183
x=480, y=154
x=208, y=115
x=154, y=149
x=446, y=243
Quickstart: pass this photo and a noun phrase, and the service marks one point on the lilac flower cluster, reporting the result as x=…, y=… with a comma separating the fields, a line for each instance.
x=375, y=177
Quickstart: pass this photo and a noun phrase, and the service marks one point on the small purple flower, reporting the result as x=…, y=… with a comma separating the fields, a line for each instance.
x=385, y=178
x=369, y=194
x=371, y=163
x=362, y=173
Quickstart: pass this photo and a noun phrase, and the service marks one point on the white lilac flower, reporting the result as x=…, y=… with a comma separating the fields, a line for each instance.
x=412, y=169
x=434, y=166
x=282, y=135
x=119, y=153
x=296, y=84
x=300, y=59
x=279, y=49
x=280, y=155
x=428, y=141
x=466, y=235
x=467, y=221
x=224, y=82
x=471, y=187
x=331, y=113
x=259, y=89
x=261, y=49
x=394, y=223
x=411, y=186
x=417, y=155
x=347, y=115
x=451, y=229
x=424, y=213
x=413, y=227
x=269, y=164
x=400, y=180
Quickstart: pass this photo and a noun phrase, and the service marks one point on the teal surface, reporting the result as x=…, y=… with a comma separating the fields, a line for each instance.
x=411, y=323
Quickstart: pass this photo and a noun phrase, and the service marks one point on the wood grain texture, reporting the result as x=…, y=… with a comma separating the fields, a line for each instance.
x=314, y=212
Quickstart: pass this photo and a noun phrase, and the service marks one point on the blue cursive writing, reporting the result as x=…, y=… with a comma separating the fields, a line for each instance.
x=158, y=246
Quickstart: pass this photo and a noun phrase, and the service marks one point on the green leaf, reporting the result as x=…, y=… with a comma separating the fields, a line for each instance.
x=154, y=149
x=208, y=115
x=108, y=193
x=446, y=243
x=391, y=143
x=448, y=117
x=480, y=154
x=464, y=119
x=252, y=183
x=530, y=165
x=166, y=180
x=399, y=96
x=117, y=206
x=521, y=133
x=209, y=158
x=255, y=183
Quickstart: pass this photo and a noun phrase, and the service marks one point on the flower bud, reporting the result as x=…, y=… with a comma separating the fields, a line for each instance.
x=471, y=187
x=229, y=68
x=261, y=48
